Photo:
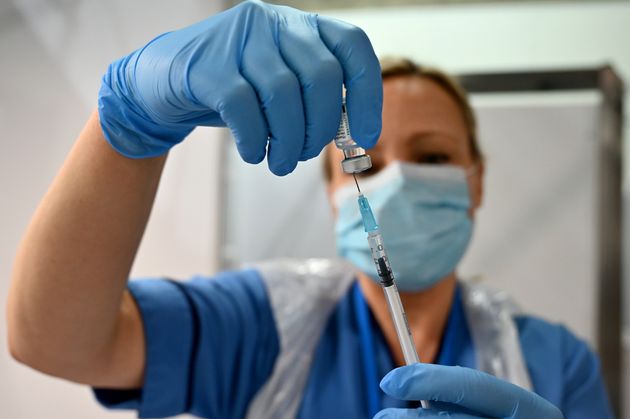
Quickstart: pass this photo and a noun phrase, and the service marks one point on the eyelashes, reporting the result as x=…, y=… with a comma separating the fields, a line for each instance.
x=424, y=158
x=434, y=158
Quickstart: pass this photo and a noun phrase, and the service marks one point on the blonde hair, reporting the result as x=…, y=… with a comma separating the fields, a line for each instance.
x=399, y=66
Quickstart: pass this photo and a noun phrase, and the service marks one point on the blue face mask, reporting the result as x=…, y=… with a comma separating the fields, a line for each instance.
x=422, y=211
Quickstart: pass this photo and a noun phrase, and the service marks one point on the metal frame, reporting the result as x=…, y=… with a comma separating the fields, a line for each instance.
x=609, y=207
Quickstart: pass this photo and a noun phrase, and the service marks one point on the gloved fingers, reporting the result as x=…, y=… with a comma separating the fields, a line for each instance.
x=320, y=77
x=471, y=389
x=278, y=92
x=423, y=413
x=452, y=408
x=239, y=109
x=392, y=413
x=362, y=77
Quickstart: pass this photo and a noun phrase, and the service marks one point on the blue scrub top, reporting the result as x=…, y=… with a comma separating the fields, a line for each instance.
x=212, y=344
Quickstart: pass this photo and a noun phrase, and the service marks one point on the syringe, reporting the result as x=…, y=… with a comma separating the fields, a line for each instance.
x=388, y=282
x=356, y=161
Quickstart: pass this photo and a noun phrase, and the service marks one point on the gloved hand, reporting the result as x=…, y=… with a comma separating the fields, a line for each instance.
x=461, y=393
x=272, y=74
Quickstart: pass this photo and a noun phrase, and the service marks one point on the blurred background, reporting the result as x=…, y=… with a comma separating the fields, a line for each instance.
x=546, y=81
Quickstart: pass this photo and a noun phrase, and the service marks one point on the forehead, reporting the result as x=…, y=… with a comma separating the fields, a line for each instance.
x=417, y=105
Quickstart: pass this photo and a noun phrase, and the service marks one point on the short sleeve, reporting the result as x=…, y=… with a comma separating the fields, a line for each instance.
x=563, y=369
x=210, y=346
x=585, y=395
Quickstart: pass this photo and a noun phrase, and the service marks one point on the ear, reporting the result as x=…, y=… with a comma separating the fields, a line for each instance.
x=330, y=190
x=332, y=159
x=475, y=183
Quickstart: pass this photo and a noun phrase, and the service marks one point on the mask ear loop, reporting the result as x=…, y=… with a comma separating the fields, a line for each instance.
x=470, y=172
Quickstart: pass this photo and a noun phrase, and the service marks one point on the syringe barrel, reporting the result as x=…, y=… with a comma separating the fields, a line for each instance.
x=401, y=325
x=384, y=270
x=386, y=276
x=392, y=296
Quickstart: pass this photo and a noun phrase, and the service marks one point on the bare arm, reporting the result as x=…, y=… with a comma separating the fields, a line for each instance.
x=68, y=312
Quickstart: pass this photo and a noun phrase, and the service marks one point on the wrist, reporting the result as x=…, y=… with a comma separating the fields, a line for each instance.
x=126, y=124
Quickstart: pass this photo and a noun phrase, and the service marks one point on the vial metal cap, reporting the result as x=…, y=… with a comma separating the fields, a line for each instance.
x=356, y=164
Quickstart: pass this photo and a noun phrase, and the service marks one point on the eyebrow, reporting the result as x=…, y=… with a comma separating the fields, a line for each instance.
x=424, y=135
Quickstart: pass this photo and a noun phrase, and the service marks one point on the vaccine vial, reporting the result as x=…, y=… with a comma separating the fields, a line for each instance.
x=355, y=160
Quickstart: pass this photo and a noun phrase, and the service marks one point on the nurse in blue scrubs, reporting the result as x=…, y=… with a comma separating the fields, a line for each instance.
x=289, y=338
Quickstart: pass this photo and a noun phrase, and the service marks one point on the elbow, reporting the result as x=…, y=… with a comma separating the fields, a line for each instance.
x=18, y=345
x=18, y=342
x=23, y=344
x=41, y=338
x=16, y=352
x=15, y=342
x=46, y=361
x=19, y=349
x=35, y=354
x=12, y=339
x=26, y=339
x=47, y=353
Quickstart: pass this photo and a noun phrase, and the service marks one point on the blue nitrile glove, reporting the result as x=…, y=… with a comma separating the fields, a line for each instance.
x=461, y=393
x=272, y=74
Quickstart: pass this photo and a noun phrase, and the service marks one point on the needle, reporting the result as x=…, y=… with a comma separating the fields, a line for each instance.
x=355, y=181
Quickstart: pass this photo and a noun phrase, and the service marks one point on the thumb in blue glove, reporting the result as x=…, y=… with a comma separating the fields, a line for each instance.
x=272, y=74
x=461, y=393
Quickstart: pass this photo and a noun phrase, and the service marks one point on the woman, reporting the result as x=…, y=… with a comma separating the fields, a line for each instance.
x=293, y=338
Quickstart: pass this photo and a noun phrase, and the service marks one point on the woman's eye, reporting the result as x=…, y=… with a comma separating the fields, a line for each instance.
x=434, y=158
x=371, y=171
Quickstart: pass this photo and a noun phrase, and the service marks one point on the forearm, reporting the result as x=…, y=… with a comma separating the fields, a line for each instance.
x=72, y=266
